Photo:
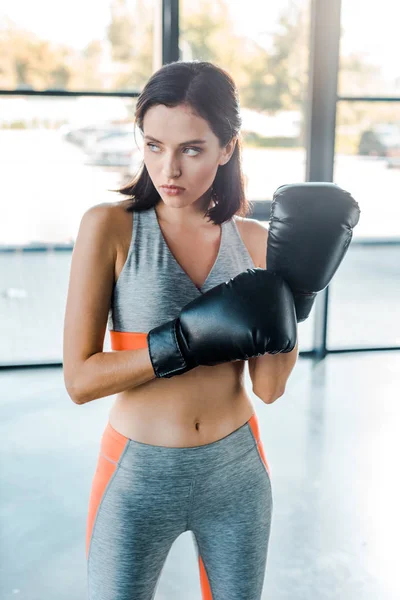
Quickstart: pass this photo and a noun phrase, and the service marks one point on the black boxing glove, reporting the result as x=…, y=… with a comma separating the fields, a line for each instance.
x=310, y=229
x=248, y=315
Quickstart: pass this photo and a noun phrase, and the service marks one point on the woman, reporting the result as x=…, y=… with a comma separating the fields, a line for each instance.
x=180, y=451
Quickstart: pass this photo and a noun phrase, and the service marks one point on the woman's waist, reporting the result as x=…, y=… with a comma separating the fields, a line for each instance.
x=182, y=415
x=219, y=381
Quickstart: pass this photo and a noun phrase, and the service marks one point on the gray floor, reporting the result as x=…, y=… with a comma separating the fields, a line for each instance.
x=332, y=442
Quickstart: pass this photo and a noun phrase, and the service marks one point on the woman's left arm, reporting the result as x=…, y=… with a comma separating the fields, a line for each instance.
x=269, y=373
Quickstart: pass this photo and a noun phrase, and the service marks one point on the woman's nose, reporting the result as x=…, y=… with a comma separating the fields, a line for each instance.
x=171, y=169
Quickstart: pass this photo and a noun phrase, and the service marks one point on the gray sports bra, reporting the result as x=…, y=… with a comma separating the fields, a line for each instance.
x=152, y=287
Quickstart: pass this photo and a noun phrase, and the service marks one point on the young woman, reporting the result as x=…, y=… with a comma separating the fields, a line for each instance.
x=181, y=450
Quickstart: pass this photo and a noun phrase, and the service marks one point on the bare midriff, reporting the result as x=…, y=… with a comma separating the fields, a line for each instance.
x=196, y=408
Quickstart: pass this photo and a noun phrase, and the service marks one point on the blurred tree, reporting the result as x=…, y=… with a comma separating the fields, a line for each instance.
x=132, y=46
x=121, y=31
x=267, y=80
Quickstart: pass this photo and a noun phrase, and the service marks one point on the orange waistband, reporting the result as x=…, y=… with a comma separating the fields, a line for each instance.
x=128, y=340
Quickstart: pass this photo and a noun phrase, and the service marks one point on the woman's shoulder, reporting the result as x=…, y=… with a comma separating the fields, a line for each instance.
x=111, y=220
x=106, y=210
x=255, y=236
x=111, y=213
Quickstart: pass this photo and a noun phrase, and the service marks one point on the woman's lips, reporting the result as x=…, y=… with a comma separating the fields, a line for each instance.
x=172, y=191
x=172, y=187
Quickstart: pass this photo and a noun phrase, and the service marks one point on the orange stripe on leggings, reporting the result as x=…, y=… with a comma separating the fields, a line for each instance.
x=253, y=422
x=112, y=446
x=204, y=582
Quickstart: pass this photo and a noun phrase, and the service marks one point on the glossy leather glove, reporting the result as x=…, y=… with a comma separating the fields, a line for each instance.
x=246, y=316
x=310, y=230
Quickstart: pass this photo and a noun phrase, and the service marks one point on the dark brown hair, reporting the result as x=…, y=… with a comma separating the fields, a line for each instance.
x=212, y=94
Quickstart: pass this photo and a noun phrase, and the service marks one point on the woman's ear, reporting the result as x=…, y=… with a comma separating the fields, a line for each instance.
x=228, y=151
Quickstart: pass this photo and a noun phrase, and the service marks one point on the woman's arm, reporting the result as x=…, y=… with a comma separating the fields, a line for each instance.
x=269, y=374
x=90, y=373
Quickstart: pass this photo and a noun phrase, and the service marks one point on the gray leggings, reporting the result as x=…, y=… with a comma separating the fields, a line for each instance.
x=143, y=497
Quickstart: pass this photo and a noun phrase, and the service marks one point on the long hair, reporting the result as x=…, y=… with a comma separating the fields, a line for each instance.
x=212, y=94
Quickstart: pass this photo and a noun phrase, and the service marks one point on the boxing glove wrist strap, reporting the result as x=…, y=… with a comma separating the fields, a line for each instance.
x=167, y=356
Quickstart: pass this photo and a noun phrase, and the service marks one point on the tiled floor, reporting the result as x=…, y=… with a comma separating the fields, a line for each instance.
x=333, y=445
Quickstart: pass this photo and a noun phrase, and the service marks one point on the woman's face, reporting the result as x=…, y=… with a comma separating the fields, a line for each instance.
x=173, y=158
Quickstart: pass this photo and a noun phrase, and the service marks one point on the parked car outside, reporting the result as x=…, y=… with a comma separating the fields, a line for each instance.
x=79, y=135
x=379, y=140
x=106, y=132
x=393, y=152
x=118, y=149
x=85, y=136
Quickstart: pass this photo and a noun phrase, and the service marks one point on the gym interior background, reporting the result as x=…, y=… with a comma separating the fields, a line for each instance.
x=319, y=84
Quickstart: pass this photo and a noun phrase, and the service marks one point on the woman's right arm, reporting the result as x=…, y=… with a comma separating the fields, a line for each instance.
x=90, y=373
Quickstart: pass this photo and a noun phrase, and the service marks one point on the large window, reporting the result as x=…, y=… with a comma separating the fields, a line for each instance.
x=364, y=307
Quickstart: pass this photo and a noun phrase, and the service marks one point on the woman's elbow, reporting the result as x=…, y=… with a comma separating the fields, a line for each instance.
x=73, y=391
x=268, y=397
x=74, y=394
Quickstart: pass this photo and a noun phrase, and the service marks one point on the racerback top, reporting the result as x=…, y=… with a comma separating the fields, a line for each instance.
x=152, y=287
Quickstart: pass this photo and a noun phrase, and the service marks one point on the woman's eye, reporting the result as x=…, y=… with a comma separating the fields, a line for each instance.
x=197, y=150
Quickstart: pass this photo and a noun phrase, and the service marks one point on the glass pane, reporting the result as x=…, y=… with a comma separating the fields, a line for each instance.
x=264, y=47
x=369, y=48
x=367, y=164
x=364, y=305
x=32, y=305
x=104, y=46
x=58, y=157
x=364, y=308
